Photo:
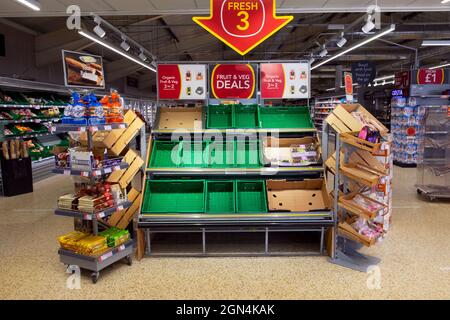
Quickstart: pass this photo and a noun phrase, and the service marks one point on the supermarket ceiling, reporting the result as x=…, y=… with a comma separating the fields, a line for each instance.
x=166, y=29
x=154, y=7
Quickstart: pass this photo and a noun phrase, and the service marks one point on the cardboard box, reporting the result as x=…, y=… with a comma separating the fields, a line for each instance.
x=366, y=159
x=126, y=137
x=342, y=120
x=297, y=196
x=130, y=213
x=278, y=152
x=131, y=172
x=345, y=201
x=349, y=232
x=180, y=118
x=115, y=176
x=116, y=216
x=115, y=134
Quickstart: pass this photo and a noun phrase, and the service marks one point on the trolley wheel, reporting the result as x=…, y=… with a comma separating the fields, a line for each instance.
x=129, y=260
x=94, y=277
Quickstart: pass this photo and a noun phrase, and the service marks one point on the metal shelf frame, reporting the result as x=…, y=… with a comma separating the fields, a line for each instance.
x=93, y=216
x=90, y=173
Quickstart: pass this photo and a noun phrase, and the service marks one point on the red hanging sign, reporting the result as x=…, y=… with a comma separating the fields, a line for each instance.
x=285, y=81
x=242, y=24
x=348, y=78
x=233, y=81
x=181, y=82
x=430, y=76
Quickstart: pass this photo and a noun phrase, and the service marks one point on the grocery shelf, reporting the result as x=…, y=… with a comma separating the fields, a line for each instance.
x=90, y=173
x=33, y=120
x=91, y=216
x=43, y=159
x=63, y=127
x=29, y=106
x=27, y=136
x=97, y=262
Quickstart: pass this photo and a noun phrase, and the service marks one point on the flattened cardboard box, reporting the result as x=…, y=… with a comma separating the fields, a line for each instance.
x=115, y=176
x=130, y=213
x=297, y=196
x=117, y=216
x=180, y=118
x=131, y=172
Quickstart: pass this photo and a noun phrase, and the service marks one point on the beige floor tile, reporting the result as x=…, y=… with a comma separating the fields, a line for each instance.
x=415, y=260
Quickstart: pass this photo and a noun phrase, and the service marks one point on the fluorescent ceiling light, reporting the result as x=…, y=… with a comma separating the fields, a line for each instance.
x=436, y=43
x=445, y=1
x=384, y=78
x=356, y=46
x=32, y=4
x=106, y=45
x=440, y=66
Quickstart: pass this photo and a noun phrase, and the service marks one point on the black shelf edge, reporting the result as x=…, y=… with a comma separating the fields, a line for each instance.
x=41, y=120
x=29, y=106
x=235, y=171
x=323, y=218
x=28, y=136
x=92, y=216
x=405, y=165
x=90, y=173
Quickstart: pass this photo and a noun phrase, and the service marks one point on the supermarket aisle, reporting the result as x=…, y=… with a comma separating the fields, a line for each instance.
x=415, y=260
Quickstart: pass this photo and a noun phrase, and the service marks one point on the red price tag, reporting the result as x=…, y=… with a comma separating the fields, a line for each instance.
x=105, y=256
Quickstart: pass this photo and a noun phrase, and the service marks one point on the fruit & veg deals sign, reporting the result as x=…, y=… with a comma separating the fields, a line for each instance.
x=242, y=24
x=233, y=81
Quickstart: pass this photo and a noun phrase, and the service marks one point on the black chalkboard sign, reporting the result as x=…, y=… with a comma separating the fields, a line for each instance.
x=363, y=72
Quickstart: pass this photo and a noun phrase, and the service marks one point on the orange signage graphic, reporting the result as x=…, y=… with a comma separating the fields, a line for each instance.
x=243, y=24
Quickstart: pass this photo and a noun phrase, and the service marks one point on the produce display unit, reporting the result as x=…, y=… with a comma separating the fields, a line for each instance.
x=97, y=262
x=27, y=110
x=225, y=197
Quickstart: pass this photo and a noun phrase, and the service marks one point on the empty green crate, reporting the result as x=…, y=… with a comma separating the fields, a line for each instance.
x=174, y=196
x=285, y=117
x=221, y=154
x=246, y=116
x=247, y=154
x=165, y=154
x=193, y=154
x=220, y=117
x=220, y=197
x=251, y=196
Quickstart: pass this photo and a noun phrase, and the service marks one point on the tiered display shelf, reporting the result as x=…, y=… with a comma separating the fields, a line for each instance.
x=207, y=197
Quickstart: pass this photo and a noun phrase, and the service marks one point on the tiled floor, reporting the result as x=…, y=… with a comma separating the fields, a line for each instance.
x=415, y=260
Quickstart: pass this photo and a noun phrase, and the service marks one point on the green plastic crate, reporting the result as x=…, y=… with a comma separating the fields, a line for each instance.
x=285, y=117
x=220, y=117
x=247, y=154
x=174, y=196
x=220, y=197
x=246, y=116
x=161, y=156
x=193, y=154
x=221, y=154
x=251, y=196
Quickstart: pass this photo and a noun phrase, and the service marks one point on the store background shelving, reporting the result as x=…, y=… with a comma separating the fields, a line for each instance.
x=323, y=106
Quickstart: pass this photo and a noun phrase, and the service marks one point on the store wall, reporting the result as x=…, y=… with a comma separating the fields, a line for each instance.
x=20, y=60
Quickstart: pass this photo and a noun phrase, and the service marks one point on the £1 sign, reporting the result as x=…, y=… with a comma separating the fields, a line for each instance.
x=243, y=24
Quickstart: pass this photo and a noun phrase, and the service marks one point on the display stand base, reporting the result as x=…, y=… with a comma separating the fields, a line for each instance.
x=347, y=256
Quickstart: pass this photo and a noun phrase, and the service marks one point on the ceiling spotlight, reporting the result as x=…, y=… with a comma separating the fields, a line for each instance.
x=124, y=45
x=142, y=56
x=32, y=4
x=342, y=41
x=97, y=29
x=311, y=61
x=369, y=24
x=324, y=52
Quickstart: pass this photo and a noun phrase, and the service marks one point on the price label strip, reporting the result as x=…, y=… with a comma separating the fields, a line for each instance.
x=105, y=256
